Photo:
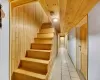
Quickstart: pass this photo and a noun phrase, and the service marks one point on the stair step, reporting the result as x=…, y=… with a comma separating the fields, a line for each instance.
x=47, y=30
x=34, y=65
x=44, y=41
x=41, y=46
x=43, y=38
x=38, y=54
x=21, y=74
x=45, y=35
x=46, y=25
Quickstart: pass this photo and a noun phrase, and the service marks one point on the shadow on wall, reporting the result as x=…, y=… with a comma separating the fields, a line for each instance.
x=72, y=46
x=95, y=25
x=2, y=15
x=94, y=43
x=72, y=34
x=4, y=40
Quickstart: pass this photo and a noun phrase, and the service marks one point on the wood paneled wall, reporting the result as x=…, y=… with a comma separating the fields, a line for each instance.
x=25, y=24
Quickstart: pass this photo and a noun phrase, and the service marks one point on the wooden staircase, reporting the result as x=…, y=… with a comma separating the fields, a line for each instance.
x=35, y=64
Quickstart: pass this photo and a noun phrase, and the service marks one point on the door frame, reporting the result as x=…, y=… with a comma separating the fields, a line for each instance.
x=78, y=58
x=84, y=29
x=78, y=52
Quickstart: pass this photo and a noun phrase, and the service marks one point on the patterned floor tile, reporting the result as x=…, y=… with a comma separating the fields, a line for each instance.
x=63, y=68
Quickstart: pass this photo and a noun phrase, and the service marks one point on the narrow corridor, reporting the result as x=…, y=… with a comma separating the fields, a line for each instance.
x=34, y=34
x=63, y=68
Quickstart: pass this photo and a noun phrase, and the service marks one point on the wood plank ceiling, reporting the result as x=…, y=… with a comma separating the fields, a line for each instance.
x=73, y=11
x=68, y=12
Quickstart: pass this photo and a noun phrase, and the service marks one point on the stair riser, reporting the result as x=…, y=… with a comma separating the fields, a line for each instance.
x=38, y=55
x=41, y=46
x=39, y=39
x=18, y=76
x=34, y=66
x=50, y=30
x=51, y=35
x=43, y=41
x=44, y=26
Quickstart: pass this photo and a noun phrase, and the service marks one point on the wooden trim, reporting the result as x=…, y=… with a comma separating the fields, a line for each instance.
x=10, y=18
x=87, y=46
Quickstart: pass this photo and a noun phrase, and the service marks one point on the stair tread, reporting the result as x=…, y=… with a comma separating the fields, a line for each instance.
x=40, y=50
x=46, y=33
x=44, y=38
x=36, y=60
x=47, y=30
x=32, y=74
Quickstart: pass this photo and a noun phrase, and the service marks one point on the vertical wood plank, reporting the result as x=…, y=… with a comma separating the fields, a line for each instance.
x=26, y=21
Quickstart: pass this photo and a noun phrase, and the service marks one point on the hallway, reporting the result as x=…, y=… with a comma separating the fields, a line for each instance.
x=50, y=40
x=63, y=68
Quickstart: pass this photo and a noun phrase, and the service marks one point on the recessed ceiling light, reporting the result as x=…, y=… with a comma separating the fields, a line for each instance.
x=55, y=20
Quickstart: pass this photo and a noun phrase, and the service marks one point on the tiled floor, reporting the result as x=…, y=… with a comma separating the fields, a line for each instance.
x=63, y=68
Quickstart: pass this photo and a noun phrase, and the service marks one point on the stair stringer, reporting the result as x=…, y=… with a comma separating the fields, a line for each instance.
x=52, y=55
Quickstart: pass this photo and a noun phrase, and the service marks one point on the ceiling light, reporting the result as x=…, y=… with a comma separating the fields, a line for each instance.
x=55, y=20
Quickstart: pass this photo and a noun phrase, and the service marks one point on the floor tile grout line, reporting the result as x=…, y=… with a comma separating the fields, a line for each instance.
x=68, y=69
x=61, y=69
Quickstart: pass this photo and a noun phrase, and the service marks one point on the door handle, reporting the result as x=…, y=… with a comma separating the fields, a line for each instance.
x=80, y=48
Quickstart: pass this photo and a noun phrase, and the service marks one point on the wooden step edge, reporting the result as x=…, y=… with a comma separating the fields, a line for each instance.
x=47, y=23
x=39, y=50
x=31, y=74
x=52, y=29
x=46, y=33
x=41, y=43
x=44, y=42
x=36, y=60
x=45, y=27
x=49, y=28
x=44, y=38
